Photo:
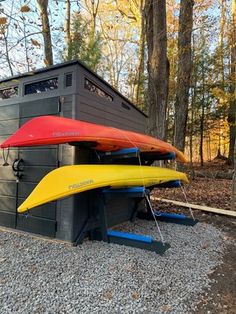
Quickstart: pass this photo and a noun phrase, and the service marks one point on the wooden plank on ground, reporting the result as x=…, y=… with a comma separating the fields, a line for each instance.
x=199, y=207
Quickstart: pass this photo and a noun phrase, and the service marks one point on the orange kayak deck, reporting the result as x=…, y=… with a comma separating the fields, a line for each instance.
x=53, y=130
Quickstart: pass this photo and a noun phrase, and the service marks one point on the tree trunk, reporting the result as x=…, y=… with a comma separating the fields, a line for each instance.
x=67, y=30
x=184, y=71
x=191, y=125
x=221, y=43
x=202, y=119
x=193, y=99
x=156, y=36
x=209, y=147
x=191, y=167
x=140, y=78
x=202, y=132
x=94, y=13
x=233, y=205
x=222, y=68
x=48, y=55
x=232, y=107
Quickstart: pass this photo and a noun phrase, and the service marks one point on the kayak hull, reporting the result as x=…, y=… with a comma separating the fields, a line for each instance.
x=69, y=180
x=53, y=130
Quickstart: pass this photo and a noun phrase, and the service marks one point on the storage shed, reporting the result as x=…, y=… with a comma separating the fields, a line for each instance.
x=70, y=90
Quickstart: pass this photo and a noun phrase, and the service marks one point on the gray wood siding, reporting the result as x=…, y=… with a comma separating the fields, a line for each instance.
x=39, y=108
x=37, y=162
x=96, y=112
x=7, y=127
x=9, y=112
x=13, y=154
x=47, y=211
x=119, y=210
x=7, y=203
x=117, y=113
x=39, y=156
x=9, y=123
x=8, y=188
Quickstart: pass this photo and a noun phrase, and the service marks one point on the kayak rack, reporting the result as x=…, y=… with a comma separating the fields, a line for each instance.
x=97, y=228
x=96, y=225
x=121, y=153
x=179, y=219
x=149, y=157
x=164, y=216
x=134, y=155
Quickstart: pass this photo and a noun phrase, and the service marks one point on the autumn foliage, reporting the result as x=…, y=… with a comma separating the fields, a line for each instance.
x=112, y=38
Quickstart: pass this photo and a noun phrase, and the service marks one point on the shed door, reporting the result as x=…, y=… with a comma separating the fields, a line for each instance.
x=34, y=164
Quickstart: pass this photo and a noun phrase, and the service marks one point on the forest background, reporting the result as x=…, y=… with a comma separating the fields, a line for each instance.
x=174, y=59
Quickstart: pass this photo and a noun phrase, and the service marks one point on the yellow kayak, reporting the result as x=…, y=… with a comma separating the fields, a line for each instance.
x=68, y=180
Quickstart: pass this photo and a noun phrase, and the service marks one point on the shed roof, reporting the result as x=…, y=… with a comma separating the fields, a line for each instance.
x=65, y=64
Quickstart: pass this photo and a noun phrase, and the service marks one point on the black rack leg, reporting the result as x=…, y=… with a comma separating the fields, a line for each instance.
x=103, y=220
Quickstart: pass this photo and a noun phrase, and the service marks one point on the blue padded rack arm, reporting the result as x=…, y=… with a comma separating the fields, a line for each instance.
x=126, y=151
x=170, y=215
x=170, y=184
x=130, y=236
x=158, y=156
x=168, y=156
x=138, y=189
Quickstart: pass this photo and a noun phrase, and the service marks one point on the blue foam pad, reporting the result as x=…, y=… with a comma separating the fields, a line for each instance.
x=167, y=156
x=170, y=215
x=170, y=184
x=138, y=189
x=125, y=151
x=130, y=236
x=170, y=156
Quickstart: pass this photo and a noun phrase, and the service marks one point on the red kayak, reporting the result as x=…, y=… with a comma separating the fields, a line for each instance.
x=52, y=130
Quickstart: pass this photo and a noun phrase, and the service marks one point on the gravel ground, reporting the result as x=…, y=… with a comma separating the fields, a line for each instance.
x=38, y=276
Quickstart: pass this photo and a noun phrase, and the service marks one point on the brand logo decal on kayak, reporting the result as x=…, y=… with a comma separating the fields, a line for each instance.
x=80, y=184
x=68, y=133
